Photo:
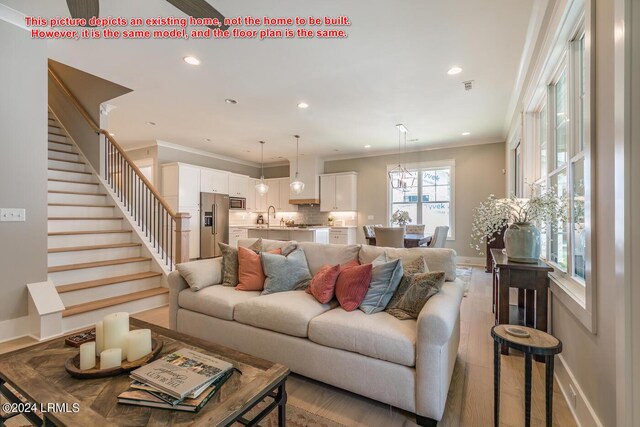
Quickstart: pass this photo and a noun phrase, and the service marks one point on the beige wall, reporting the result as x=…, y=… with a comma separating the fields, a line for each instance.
x=478, y=173
x=23, y=166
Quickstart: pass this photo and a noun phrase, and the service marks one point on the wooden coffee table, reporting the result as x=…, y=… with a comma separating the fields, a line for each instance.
x=38, y=374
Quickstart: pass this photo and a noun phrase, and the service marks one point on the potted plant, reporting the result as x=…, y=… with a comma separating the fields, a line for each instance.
x=522, y=218
x=330, y=221
x=401, y=218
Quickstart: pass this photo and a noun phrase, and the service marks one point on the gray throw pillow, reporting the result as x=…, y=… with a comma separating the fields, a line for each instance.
x=285, y=273
x=420, y=287
x=230, y=262
x=385, y=278
x=202, y=273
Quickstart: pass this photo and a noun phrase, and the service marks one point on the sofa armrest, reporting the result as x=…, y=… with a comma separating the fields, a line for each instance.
x=437, y=340
x=176, y=285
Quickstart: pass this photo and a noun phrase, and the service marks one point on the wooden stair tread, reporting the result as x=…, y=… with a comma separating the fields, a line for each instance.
x=108, y=302
x=81, y=205
x=104, y=282
x=69, y=181
x=82, y=193
x=77, y=162
x=74, y=233
x=55, y=150
x=57, y=134
x=69, y=171
x=93, y=247
x=61, y=142
x=81, y=266
x=84, y=218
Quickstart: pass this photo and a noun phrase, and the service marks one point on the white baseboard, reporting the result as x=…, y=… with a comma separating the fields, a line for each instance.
x=579, y=406
x=474, y=261
x=14, y=328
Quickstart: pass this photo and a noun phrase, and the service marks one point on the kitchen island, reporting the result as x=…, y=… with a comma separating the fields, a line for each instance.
x=299, y=234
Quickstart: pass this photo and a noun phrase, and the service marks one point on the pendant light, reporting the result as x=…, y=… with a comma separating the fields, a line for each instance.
x=262, y=186
x=297, y=186
x=399, y=177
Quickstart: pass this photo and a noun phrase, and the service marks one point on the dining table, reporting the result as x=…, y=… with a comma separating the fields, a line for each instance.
x=410, y=240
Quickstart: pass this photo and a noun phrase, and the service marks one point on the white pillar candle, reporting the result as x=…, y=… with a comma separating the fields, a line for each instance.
x=138, y=344
x=88, y=355
x=116, y=327
x=99, y=338
x=110, y=358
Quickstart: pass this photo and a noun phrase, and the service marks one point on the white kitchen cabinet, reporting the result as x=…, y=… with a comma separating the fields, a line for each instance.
x=214, y=181
x=251, y=194
x=273, y=195
x=285, y=196
x=317, y=235
x=181, y=185
x=342, y=236
x=339, y=192
x=236, y=234
x=238, y=185
x=261, y=202
x=194, y=232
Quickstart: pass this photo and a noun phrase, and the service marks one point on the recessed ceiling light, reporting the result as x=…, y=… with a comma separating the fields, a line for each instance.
x=367, y=146
x=150, y=123
x=230, y=101
x=454, y=70
x=466, y=133
x=303, y=105
x=191, y=60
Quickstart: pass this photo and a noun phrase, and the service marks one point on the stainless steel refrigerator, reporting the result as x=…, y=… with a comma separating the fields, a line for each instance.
x=214, y=223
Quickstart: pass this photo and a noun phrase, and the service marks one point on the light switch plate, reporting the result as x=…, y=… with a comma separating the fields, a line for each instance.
x=13, y=215
x=370, y=217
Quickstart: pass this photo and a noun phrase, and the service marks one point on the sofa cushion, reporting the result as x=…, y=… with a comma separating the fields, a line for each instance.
x=323, y=284
x=414, y=293
x=285, y=273
x=285, y=312
x=202, y=273
x=352, y=285
x=377, y=335
x=217, y=301
x=385, y=278
x=250, y=274
x=261, y=244
x=437, y=259
x=321, y=254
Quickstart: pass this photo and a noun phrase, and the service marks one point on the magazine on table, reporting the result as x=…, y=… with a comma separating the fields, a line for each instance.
x=182, y=373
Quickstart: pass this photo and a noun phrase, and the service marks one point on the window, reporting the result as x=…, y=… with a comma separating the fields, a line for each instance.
x=429, y=200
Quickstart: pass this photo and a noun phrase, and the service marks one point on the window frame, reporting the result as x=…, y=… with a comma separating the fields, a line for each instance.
x=421, y=167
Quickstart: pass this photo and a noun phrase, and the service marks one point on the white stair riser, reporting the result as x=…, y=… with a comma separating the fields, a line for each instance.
x=77, y=199
x=64, y=156
x=57, y=164
x=72, y=186
x=72, y=323
x=51, y=137
x=85, y=274
x=78, y=257
x=61, y=147
x=88, y=239
x=108, y=291
x=84, y=225
x=80, y=211
x=72, y=176
x=54, y=129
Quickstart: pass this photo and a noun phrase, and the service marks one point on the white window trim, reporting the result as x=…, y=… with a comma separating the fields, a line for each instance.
x=431, y=165
x=568, y=18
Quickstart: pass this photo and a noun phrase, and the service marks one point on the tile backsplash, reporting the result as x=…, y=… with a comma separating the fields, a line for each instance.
x=304, y=215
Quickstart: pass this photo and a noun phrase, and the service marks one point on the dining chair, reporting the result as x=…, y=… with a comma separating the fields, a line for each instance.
x=369, y=234
x=389, y=237
x=415, y=229
x=439, y=237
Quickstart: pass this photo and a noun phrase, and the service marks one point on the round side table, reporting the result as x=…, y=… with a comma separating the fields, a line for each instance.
x=538, y=343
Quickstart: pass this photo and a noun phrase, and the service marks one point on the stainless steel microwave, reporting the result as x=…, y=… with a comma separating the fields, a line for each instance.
x=237, y=203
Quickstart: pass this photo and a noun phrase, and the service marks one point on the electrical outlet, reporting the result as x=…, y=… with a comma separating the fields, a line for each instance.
x=13, y=215
x=572, y=396
x=370, y=217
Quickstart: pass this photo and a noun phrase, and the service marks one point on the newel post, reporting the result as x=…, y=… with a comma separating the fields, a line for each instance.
x=182, y=237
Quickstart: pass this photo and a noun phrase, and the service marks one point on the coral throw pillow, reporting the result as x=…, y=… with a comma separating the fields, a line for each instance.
x=323, y=284
x=250, y=274
x=352, y=285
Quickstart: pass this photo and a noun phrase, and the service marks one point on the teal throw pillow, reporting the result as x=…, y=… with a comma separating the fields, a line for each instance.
x=285, y=273
x=385, y=278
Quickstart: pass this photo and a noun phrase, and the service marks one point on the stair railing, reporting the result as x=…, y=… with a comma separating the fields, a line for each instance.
x=166, y=230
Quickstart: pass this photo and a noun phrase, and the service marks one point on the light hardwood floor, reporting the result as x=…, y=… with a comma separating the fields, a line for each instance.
x=470, y=401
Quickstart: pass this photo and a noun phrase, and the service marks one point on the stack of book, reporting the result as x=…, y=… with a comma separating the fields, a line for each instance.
x=184, y=380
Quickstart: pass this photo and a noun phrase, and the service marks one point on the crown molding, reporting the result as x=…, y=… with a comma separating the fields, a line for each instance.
x=12, y=16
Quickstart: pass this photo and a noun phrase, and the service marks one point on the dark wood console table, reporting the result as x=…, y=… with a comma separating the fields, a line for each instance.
x=532, y=282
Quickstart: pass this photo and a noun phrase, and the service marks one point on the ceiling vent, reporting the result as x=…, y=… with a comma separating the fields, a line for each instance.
x=468, y=85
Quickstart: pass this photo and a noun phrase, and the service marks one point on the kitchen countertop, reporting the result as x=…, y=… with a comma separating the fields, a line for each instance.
x=280, y=227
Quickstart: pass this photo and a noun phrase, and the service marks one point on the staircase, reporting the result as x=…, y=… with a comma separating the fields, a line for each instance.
x=95, y=260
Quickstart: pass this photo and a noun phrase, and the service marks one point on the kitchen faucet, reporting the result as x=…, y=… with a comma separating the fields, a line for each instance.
x=274, y=214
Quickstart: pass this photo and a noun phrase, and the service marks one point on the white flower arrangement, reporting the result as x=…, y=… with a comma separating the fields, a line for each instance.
x=494, y=215
x=401, y=218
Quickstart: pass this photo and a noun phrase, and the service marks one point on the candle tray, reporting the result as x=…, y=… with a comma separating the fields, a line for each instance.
x=72, y=365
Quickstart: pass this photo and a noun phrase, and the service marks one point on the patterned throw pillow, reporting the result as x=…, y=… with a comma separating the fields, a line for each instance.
x=385, y=278
x=323, y=284
x=285, y=273
x=352, y=285
x=413, y=266
x=230, y=262
x=420, y=287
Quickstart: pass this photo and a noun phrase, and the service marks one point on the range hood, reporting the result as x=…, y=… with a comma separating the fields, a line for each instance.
x=309, y=172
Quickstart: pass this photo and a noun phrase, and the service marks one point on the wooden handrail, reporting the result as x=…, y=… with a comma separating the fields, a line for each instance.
x=117, y=146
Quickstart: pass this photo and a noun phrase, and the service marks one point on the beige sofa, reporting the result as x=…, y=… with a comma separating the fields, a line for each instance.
x=404, y=363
